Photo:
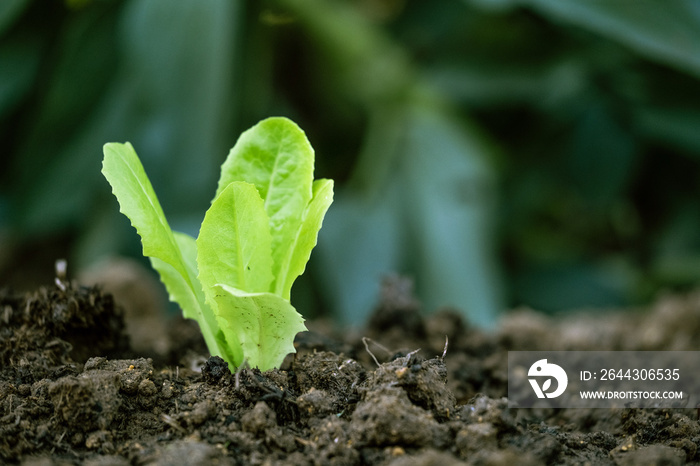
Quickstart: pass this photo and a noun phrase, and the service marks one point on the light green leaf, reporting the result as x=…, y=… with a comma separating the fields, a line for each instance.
x=277, y=158
x=171, y=254
x=263, y=325
x=233, y=246
x=137, y=200
x=188, y=250
x=187, y=293
x=307, y=235
x=255, y=239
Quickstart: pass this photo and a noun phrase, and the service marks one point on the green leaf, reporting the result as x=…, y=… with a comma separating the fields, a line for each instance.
x=138, y=201
x=190, y=302
x=20, y=61
x=371, y=231
x=263, y=325
x=449, y=187
x=674, y=126
x=277, y=158
x=667, y=31
x=253, y=234
x=10, y=10
x=307, y=235
x=233, y=246
x=430, y=217
x=171, y=254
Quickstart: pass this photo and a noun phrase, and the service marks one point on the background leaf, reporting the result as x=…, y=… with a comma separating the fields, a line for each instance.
x=666, y=31
x=370, y=233
x=584, y=113
x=450, y=197
x=9, y=11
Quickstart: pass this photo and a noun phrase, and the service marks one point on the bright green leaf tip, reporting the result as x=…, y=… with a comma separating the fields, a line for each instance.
x=255, y=240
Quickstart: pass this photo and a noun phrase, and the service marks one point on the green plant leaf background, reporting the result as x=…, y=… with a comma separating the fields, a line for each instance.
x=499, y=152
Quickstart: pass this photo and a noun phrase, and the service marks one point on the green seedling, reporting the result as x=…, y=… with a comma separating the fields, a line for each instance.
x=255, y=240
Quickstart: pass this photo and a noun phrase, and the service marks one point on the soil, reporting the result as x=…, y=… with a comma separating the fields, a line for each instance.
x=74, y=391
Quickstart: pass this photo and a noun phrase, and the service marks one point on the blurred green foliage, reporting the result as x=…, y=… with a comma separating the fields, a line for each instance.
x=500, y=152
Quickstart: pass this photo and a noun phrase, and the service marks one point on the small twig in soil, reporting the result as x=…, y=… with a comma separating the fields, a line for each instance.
x=365, y=341
x=444, y=352
x=58, y=441
x=304, y=442
x=172, y=423
x=237, y=375
x=410, y=355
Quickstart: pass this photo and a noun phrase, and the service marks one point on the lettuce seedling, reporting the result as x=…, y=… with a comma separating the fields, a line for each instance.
x=255, y=240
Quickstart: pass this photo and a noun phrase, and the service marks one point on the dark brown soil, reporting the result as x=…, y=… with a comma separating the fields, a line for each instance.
x=72, y=391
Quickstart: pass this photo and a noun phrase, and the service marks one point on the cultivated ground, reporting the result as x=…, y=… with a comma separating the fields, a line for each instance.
x=73, y=390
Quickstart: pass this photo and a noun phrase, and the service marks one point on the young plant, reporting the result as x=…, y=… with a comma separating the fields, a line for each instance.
x=255, y=239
